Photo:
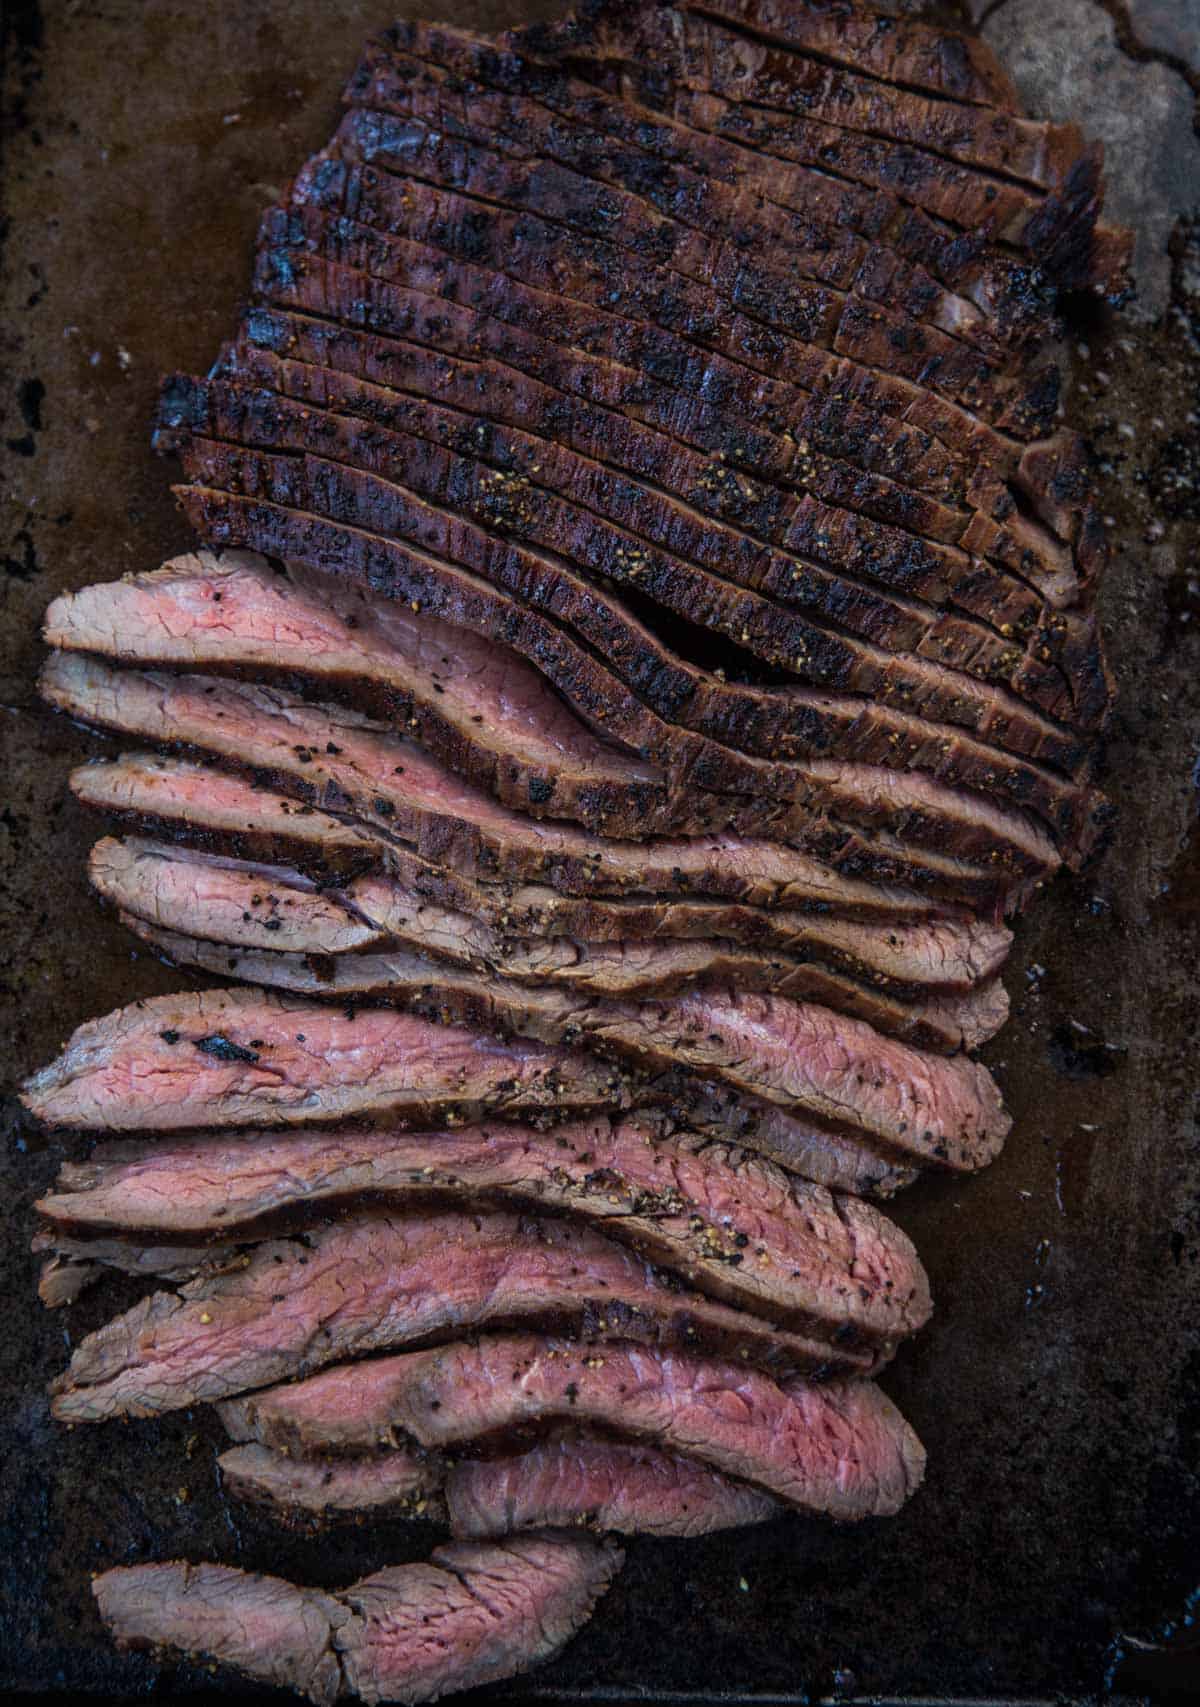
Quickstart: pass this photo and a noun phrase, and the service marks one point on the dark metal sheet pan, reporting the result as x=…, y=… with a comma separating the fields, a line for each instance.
x=1057, y=1387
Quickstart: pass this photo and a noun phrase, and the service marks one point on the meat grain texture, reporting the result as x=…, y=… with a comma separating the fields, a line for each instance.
x=640, y=648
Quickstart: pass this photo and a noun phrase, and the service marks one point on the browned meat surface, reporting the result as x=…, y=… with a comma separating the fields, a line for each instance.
x=473, y=1614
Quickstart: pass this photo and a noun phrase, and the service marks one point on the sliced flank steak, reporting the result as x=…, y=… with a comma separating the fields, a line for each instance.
x=471, y=995
x=729, y=1222
x=920, y=713
x=339, y=761
x=485, y=712
x=378, y=1280
x=726, y=523
x=261, y=904
x=837, y=1447
x=473, y=1614
x=221, y=813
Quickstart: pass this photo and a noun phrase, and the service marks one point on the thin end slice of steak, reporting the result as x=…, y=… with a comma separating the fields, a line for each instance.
x=222, y=1058
x=378, y=1280
x=945, y=1024
x=72, y=1264
x=727, y=1221
x=480, y=708
x=574, y=1480
x=837, y=1447
x=221, y=813
x=308, y=1492
x=253, y=904
x=337, y=760
x=473, y=1614
x=571, y=1480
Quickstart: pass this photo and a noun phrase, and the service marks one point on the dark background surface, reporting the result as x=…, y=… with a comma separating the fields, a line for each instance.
x=1056, y=1390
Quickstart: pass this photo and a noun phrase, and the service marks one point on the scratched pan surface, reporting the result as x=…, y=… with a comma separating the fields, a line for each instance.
x=1056, y=1389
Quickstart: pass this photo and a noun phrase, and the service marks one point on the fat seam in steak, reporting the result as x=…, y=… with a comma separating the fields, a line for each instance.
x=836, y=1447
x=377, y=1280
x=727, y=1221
x=475, y=1613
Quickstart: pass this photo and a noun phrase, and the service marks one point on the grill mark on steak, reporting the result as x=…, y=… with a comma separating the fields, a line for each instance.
x=141, y=1069
x=945, y=1024
x=728, y=1222
x=252, y=905
x=588, y=271
x=376, y=1280
x=807, y=722
x=387, y=271
x=573, y=1480
x=834, y=1447
x=221, y=814
x=904, y=53
x=699, y=526
x=859, y=182
x=344, y=763
x=473, y=1614
x=403, y=794
x=489, y=169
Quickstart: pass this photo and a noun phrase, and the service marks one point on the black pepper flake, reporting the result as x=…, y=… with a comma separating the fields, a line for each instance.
x=221, y=1049
x=169, y=1036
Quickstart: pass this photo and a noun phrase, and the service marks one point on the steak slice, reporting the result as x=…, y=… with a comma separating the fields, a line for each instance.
x=221, y=1058
x=729, y=525
x=475, y=1613
x=836, y=1447
x=573, y=1480
x=253, y=904
x=485, y=712
x=338, y=760
x=218, y=812
x=946, y=1024
x=377, y=1280
x=222, y=814
x=727, y=1221
x=72, y=1265
x=311, y=1492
